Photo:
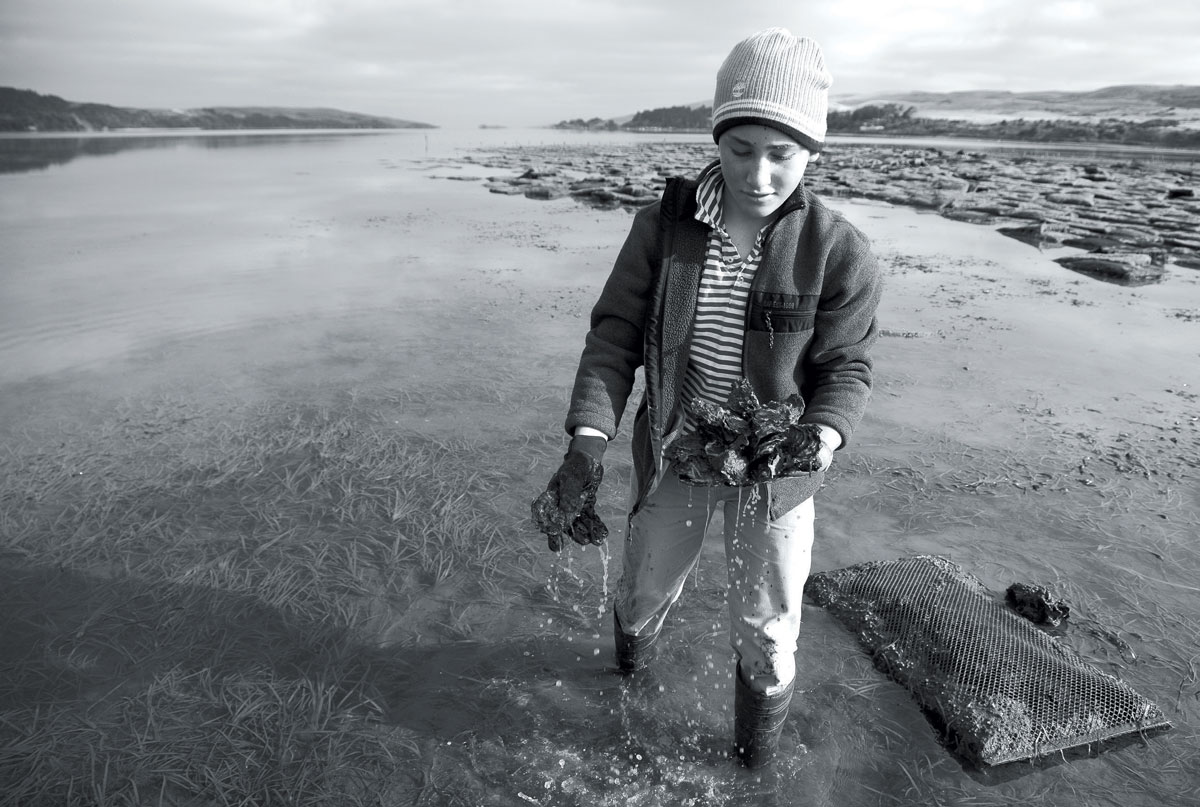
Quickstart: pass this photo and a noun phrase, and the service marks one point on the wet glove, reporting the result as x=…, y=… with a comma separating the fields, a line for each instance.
x=588, y=528
x=568, y=505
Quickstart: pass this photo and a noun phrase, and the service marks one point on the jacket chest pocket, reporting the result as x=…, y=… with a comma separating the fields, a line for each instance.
x=776, y=312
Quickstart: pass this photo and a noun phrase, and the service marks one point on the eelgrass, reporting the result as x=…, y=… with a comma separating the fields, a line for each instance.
x=287, y=494
x=240, y=613
x=199, y=737
x=192, y=611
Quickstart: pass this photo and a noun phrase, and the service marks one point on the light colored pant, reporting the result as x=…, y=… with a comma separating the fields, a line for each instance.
x=767, y=561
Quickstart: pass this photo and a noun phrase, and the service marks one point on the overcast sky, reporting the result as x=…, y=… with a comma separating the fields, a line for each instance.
x=535, y=62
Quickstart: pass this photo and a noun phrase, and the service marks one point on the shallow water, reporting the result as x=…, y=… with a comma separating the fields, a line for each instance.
x=220, y=271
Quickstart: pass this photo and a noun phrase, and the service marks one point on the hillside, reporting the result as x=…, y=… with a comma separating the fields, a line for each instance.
x=1123, y=102
x=28, y=111
x=1144, y=115
x=684, y=118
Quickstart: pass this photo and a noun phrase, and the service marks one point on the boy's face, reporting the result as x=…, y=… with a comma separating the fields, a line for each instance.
x=762, y=167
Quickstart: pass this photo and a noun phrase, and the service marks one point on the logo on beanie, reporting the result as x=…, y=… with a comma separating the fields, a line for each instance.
x=738, y=89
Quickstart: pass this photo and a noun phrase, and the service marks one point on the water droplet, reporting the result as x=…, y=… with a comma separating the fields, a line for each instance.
x=604, y=555
x=688, y=523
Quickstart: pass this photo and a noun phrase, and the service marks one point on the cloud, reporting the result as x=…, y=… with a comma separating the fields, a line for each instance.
x=1030, y=45
x=531, y=62
x=1069, y=11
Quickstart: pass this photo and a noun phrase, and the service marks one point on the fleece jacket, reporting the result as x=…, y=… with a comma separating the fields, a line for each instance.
x=810, y=326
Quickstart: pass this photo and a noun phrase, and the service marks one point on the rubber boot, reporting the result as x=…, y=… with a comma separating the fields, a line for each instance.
x=634, y=653
x=757, y=722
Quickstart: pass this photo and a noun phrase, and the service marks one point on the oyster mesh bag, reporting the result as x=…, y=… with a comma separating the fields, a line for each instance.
x=1003, y=689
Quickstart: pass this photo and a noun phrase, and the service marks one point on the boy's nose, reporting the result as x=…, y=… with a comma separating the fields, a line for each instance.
x=759, y=174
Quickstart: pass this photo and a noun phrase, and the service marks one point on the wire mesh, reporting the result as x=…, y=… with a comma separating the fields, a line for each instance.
x=1003, y=689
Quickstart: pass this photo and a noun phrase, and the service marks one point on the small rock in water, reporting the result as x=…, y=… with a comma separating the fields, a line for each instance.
x=1036, y=603
x=1038, y=234
x=1124, y=269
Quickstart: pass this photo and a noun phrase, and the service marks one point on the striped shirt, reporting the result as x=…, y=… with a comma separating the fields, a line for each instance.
x=718, y=331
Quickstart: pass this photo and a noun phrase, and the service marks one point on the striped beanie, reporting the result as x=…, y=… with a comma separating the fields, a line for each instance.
x=774, y=79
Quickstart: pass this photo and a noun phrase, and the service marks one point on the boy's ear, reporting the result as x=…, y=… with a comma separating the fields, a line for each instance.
x=812, y=158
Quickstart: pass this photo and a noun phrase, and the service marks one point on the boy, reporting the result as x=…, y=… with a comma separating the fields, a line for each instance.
x=742, y=273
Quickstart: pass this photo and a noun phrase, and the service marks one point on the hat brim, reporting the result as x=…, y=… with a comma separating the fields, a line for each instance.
x=810, y=143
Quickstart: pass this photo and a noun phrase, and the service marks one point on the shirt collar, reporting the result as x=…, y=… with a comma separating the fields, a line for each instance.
x=709, y=192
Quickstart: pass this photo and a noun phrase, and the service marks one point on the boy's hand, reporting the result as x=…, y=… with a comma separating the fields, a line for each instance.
x=568, y=505
x=588, y=528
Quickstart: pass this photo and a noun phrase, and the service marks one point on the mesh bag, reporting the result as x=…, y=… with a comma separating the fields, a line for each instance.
x=1003, y=689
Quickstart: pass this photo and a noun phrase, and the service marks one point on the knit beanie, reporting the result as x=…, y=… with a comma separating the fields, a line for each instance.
x=774, y=79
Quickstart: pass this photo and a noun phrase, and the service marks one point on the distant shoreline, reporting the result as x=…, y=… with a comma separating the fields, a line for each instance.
x=29, y=111
x=883, y=138
x=168, y=131
x=1124, y=119
x=1114, y=149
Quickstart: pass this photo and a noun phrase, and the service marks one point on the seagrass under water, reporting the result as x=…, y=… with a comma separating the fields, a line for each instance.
x=1004, y=689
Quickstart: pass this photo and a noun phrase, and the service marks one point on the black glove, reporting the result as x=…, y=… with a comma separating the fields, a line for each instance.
x=568, y=505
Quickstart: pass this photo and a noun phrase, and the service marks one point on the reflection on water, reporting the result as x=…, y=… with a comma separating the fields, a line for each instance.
x=30, y=153
x=161, y=237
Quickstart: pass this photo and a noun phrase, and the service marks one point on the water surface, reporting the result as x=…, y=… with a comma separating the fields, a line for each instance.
x=194, y=277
